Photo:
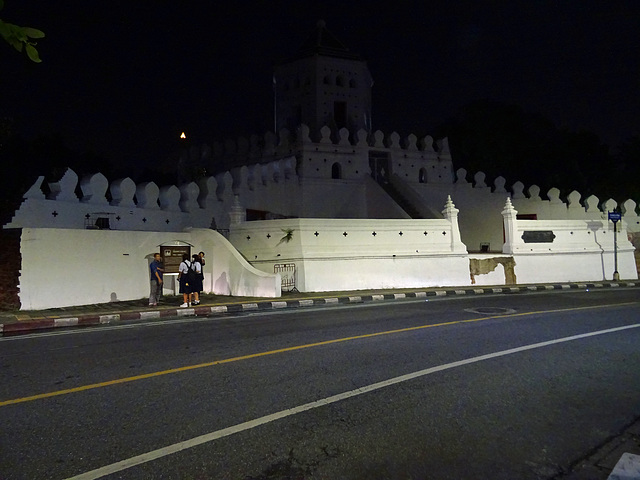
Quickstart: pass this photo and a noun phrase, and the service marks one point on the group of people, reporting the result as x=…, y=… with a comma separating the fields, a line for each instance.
x=190, y=277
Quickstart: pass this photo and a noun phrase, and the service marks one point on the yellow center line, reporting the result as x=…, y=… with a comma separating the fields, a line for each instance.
x=288, y=349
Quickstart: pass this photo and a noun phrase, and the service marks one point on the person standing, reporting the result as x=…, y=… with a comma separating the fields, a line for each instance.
x=201, y=262
x=155, y=283
x=196, y=286
x=184, y=280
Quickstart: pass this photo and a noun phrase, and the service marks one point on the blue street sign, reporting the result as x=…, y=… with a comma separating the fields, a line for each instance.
x=615, y=216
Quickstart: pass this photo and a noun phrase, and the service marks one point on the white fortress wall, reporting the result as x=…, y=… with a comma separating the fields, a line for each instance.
x=566, y=250
x=346, y=254
x=279, y=184
x=296, y=180
x=66, y=267
x=227, y=272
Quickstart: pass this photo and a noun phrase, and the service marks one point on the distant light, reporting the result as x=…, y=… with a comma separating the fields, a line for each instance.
x=182, y=135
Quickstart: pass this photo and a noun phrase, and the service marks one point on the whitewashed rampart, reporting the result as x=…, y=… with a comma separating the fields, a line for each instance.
x=95, y=266
x=566, y=250
x=292, y=176
x=339, y=254
x=337, y=177
x=66, y=267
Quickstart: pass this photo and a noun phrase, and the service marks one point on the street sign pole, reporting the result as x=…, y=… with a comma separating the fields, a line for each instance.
x=615, y=217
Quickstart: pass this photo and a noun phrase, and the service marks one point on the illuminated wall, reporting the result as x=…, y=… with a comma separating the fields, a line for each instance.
x=66, y=267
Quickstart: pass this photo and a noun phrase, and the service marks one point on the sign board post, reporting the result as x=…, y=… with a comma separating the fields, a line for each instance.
x=615, y=217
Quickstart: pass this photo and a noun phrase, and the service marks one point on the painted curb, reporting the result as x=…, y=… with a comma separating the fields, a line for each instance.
x=29, y=326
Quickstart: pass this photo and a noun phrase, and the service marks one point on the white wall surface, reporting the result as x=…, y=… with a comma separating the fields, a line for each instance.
x=65, y=267
x=573, y=267
x=379, y=273
x=328, y=260
x=581, y=250
x=348, y=254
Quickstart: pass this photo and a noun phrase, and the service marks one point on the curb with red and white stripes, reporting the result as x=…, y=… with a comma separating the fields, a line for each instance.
x=29, y=326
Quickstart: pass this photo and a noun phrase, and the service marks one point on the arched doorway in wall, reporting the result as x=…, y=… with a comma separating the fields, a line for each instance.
x=336, y=171
x=380, y=166
x=422, y=175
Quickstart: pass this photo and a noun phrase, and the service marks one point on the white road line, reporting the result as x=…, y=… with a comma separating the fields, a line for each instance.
x=193, y=442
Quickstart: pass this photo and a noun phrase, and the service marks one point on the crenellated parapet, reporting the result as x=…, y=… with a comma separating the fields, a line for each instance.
x=94, y=189
x=324, y=152
x=122, y=192
x=64, y=189
x=529, y=202
x=148, y=207
x=290, y=175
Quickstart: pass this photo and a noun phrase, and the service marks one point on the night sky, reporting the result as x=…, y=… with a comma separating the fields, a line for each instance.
x=123, y=79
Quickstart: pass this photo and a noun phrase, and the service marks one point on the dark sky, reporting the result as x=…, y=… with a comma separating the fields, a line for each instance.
x=125, y=78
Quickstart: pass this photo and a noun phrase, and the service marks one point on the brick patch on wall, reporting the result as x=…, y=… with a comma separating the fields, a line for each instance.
x=10, y=264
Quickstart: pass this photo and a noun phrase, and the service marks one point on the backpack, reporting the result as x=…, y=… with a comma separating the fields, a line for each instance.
x=192, y=275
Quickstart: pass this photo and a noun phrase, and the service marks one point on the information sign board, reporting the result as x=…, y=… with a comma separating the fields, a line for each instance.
x=172, y=256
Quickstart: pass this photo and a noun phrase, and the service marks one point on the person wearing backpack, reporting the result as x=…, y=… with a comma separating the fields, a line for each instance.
x=187, y=276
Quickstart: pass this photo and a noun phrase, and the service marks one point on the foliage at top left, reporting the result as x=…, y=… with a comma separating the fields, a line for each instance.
x=21, y=37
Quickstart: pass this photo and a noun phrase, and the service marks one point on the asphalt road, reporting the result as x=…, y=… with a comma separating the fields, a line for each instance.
x=497, y=387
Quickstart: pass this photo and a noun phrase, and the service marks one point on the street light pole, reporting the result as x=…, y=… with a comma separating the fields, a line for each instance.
x=616, y=275
x=615, y=217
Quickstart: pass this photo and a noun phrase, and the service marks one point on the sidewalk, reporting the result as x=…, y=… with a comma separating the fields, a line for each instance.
x=24, y=322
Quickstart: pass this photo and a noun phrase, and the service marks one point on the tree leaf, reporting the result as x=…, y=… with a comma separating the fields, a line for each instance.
x=33, y=32
x=33, y=53
x=4, y=30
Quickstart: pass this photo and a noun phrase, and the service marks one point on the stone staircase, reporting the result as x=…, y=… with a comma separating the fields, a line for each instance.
x=400, y=199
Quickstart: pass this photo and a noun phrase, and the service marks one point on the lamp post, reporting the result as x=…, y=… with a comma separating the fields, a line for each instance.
x=615, y=217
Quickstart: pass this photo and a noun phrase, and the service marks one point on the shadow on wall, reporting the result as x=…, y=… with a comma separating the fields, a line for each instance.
x=222, y=285
x=594, y=227
x=634, y=238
